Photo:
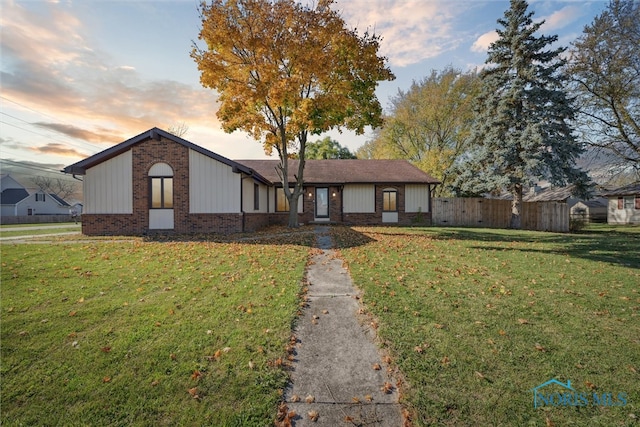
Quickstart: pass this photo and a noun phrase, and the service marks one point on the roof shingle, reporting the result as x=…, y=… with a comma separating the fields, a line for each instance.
x=343, y=171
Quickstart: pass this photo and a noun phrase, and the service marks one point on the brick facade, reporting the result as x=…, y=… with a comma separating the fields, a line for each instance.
x=152, y=151
x=145, y=155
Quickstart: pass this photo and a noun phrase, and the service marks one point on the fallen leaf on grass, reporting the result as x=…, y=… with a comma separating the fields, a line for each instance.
x=539, y=347
x=445, y=360
x=106, y=379
x=72, y=313
x=105, y=349
x=591, y=385
x=439, y=326
x=196, y=374
x=155, y=383
x=194, y=392
x=548, y=422
x=523, y=321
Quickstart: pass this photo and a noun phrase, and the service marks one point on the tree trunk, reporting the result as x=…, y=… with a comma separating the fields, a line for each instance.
x=516, y=208
x=293, y=210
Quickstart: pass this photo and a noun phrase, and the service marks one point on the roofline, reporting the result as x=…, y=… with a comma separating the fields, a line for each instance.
x=80, y=168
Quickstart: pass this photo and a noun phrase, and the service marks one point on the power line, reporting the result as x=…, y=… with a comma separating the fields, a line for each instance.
x=43, y=135
x=37, y=168
x=94, y=146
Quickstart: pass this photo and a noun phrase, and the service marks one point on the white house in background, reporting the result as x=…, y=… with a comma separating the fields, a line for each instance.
x=16, y=200
x=624, y=205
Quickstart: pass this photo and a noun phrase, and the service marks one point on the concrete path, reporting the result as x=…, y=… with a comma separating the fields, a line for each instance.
x=338, y=373
x=41, y=227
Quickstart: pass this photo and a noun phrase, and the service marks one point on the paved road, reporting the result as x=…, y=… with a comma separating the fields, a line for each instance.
x=40, y=227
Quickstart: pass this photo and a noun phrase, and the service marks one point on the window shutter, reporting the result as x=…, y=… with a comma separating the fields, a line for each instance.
x=637, y=202
x=620, y=202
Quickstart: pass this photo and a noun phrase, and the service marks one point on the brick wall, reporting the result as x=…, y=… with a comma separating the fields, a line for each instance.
x=255, y=221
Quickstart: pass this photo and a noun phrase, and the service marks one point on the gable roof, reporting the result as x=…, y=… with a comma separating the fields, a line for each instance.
x=59, y=200
x=627, y=190
x=11, y=196
x=80, y=168
x=346, y=171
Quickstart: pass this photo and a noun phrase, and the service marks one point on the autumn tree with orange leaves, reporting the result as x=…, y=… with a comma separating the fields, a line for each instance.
x=284, y=71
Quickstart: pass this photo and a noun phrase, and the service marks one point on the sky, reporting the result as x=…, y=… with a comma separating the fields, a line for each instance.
x=79, y=76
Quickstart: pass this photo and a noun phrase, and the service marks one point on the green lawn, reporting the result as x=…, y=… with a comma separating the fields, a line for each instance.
x=476, y=318
x=151, y=333
x=147, y=333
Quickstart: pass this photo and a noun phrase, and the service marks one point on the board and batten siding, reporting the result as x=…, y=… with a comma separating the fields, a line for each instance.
x=108, y=186
x=213, y=186
x=416, y=198
x=248, y=193
x=359, y=198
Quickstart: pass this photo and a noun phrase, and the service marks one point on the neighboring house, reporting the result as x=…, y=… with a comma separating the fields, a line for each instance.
x=16, y=200
x=624, y=205
x=590, y=210
x=159, y=182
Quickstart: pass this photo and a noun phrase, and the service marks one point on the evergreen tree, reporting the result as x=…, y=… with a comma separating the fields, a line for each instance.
x=522, y=130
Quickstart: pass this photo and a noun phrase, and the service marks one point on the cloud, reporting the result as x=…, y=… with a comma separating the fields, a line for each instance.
x=563, y=17
x=50, y=66
x=482, y=43
x=412, y=30
x=78, y=133
x=58, y=149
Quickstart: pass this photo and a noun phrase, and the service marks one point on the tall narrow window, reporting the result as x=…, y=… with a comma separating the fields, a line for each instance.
x=389, y=201
x=161, y=192
x=256, y=197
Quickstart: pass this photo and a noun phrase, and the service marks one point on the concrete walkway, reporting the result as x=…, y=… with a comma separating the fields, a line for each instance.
x=338, y=373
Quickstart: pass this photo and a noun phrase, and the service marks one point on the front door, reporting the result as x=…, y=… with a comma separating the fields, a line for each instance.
x=322, y=204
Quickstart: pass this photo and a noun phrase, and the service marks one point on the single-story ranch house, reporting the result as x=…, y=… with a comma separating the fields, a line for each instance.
x=157, y=181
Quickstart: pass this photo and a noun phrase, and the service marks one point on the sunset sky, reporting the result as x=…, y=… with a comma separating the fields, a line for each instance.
x=80, y=76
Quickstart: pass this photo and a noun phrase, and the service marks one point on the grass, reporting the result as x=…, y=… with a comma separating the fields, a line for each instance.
x=163, y=331
x=476, y=318
x=147, y=333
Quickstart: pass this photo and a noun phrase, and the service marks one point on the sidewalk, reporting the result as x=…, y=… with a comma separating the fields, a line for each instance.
x=338, y=373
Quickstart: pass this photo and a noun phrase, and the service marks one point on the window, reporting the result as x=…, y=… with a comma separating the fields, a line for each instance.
x=282, y=204
x=389, y=200
x=256, y=197
x=629, y=202
x=39, y=197
x=161, y=192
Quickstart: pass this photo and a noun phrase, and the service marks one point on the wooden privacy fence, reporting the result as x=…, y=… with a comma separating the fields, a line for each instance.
x=495, y=213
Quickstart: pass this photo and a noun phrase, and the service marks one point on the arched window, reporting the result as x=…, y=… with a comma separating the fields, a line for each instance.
x=389, y=200
x=161, y=185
